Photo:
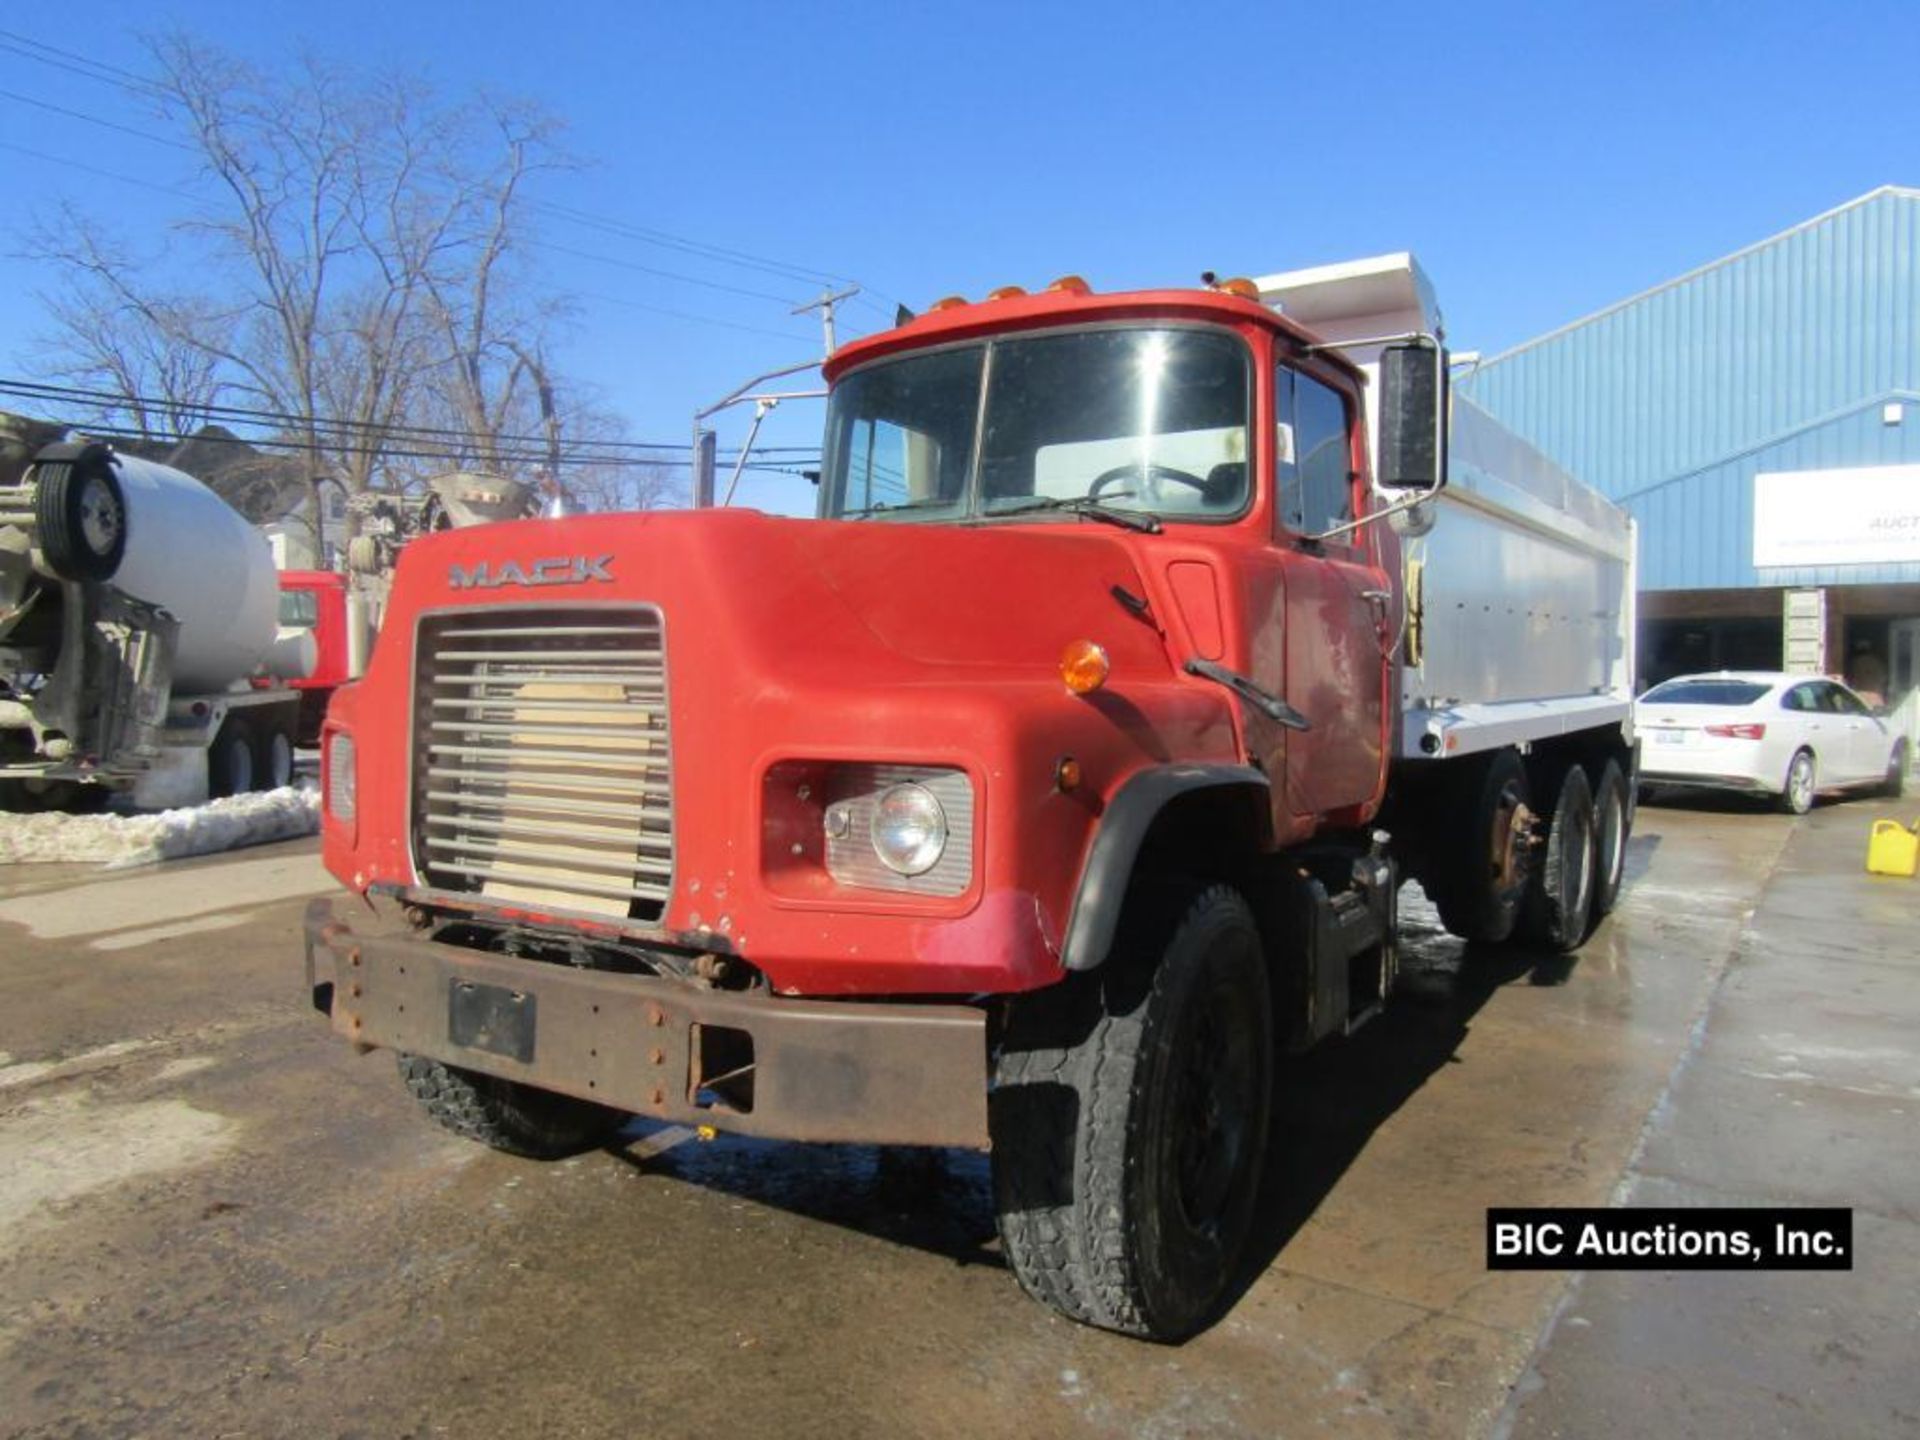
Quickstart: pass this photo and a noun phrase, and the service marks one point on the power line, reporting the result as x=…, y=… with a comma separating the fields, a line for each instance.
x=667, y=240
x=529, y=460
x=41, y=104
x=76, y=64
x=666, y=274
x=95, y=170
x=74, y=394
x=686, y=315
x=189, y=195
x=624, y=229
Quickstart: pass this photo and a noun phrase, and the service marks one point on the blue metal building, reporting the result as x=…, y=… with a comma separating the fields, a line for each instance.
x=1760, y=416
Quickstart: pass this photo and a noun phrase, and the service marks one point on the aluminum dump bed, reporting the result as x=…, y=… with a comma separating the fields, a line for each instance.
x=1519, y=579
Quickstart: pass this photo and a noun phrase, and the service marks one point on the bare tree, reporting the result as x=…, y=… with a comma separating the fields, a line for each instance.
x=354, y=271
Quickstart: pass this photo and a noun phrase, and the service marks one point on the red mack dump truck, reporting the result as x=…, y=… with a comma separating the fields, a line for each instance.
x=1033, y=797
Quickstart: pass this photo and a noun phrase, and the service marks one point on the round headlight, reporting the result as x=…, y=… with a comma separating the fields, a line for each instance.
x=909, y=829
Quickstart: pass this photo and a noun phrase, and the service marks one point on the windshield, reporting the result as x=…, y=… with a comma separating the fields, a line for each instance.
x=299, y=610
x=1145, y=420
x=1707, y=692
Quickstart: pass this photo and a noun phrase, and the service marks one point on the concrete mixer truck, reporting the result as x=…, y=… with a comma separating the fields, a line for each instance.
x=139, y=632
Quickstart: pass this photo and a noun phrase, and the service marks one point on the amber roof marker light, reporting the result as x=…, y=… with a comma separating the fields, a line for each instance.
x=1084, y=666
x=1236, y=285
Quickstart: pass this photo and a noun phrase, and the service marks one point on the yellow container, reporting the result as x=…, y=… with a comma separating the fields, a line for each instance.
x=1893, y=849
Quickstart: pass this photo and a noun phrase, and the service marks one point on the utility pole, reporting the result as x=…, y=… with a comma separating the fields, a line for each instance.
x=828, y=299
x=704, y=441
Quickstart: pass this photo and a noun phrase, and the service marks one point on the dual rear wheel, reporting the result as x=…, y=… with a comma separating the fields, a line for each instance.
x=1545, y=854
x=251, y=751
x=1582, y=860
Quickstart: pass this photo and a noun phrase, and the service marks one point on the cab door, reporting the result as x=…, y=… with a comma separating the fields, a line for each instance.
x=1334, y=660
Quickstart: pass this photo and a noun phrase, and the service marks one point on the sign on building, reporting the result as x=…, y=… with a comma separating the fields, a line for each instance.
x=1804, y=632
x=1867, y=515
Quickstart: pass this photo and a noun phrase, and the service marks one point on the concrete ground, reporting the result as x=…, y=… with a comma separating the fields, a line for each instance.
x=216, y=1220
x=1801, y=1087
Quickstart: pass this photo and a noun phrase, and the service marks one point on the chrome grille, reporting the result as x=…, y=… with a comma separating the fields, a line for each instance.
x=542, y=772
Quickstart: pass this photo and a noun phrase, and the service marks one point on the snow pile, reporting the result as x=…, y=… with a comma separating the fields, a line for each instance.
x=123, y=840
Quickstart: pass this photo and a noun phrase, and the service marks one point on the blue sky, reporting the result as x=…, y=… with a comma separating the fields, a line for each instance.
x=1542, y=160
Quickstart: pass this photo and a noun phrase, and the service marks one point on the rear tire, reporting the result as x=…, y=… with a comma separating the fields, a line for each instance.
x=1559, y=901
x=510, y=1117
x=230, y=767
x=1479, y=873
x=272, y=755
x=1796, y=792
x=1129, y=1121
x=1612, y=825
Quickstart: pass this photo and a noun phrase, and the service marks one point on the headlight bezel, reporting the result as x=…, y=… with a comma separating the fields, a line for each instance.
x=920, y=855
x=816, y=817
x=340, y=779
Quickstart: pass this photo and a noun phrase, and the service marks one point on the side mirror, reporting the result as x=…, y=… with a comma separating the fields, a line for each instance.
x=1413, y=417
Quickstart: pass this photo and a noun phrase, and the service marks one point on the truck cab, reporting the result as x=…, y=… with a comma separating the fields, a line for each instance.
x=1214, y=434
x=314, y=602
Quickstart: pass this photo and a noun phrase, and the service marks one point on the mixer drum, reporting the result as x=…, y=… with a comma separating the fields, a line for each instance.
x=159, y=535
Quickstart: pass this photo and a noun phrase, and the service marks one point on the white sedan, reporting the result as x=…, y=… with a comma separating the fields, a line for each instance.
x=1767, y=733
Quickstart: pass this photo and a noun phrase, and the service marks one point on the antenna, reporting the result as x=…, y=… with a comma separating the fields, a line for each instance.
x=828, y=299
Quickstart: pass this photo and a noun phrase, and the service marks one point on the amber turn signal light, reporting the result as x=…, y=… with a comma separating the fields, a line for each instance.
x=1083, y=665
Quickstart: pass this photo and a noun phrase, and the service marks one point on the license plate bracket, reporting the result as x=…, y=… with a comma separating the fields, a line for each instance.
x=494, y=1018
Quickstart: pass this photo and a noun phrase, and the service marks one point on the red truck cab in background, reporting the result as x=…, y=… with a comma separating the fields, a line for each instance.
x=316, y=601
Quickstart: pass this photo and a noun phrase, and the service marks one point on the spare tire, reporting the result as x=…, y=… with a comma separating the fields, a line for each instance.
x=80, y=511
x=363, y=554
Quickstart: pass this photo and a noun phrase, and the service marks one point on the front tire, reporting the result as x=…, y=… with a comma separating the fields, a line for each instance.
x=510, y=1117
x=1129, y=1121
x=1796, y=793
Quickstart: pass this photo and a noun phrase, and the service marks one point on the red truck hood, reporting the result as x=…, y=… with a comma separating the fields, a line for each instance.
x=986, y=596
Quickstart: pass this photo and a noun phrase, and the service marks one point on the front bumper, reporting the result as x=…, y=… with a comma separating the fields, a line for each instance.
x=813, y=1070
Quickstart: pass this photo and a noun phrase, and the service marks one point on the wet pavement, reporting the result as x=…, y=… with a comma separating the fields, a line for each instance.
x=214, y=1219
x=1802, y=1088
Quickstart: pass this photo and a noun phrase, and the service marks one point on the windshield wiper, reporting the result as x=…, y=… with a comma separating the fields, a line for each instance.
x=887, y=507
x=1084, y=505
